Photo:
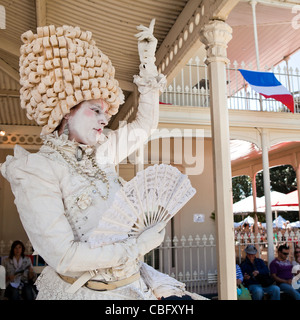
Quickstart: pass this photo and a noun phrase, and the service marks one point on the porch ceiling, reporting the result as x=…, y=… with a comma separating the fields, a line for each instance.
x=113, y=24
x=244, y=151
x=277, y=38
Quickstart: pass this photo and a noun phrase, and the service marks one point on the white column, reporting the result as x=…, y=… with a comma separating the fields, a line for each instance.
x=254, y=194
x=215, y=35
x=298, y=183
x=267, y=191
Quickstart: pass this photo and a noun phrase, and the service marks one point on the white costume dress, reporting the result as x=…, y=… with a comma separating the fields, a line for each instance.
x=58, y=191
x=60, y=207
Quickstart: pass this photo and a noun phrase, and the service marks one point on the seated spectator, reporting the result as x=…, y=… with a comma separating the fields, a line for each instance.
x=257, y=277
x=239, y=275
x=19, y=274
x=246, y=228
x=239, y=279
x=296, y=260
x=281, y=271
x=296, y=267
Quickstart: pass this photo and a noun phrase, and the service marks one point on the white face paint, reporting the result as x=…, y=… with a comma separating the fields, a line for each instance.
x=88, y=121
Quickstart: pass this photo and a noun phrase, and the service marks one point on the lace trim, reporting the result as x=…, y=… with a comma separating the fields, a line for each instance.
x=163, y=285
x=63, y=141
x=146, y=84
x=52, y=287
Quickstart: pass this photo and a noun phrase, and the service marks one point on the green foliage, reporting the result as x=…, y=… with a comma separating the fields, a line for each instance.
x=282, y=178
x=260, y=216
x=241, y=188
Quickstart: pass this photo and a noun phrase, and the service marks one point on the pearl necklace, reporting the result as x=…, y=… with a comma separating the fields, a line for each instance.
x=98, y=174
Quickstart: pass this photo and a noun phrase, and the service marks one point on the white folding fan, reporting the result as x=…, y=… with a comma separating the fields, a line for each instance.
x=153, y=195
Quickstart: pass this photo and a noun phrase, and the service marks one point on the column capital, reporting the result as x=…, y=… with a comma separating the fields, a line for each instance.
x=215, y=35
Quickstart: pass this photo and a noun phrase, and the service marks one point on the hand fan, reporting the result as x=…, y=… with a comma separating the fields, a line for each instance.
x=153, y=195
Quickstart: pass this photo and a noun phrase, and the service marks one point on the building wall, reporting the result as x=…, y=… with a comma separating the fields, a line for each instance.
x=10, y=224
x=195, y=161
x=202, y=203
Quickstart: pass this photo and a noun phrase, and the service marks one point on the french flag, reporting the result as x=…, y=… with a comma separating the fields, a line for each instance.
x=266, y=84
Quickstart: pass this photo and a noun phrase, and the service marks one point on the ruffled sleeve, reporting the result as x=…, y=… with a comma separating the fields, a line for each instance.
x=35, y=182
x=162, y=285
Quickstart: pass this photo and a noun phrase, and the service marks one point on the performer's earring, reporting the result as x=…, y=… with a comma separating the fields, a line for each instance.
x=79, y=153
x=66, y=129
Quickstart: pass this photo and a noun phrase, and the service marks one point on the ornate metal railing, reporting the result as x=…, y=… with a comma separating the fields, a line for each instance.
x=191, y=87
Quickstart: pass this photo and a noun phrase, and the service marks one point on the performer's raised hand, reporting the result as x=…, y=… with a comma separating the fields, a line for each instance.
x=147, y=46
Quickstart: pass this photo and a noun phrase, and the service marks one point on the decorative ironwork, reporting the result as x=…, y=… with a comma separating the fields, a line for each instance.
x=21, y=139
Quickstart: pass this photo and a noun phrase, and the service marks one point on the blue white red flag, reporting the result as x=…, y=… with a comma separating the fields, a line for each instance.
x=266, y=84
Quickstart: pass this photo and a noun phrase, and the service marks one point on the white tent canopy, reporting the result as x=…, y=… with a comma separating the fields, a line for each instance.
x=285, y=208
x=275, y=197
x=246, y=205
x=295, y=224
x=248, y=220
x=279, y=222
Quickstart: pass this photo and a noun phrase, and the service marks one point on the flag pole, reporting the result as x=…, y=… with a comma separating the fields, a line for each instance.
x=265, y=155
x=253, y=5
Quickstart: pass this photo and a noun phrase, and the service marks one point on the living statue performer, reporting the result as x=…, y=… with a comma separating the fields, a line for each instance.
x=68, y=87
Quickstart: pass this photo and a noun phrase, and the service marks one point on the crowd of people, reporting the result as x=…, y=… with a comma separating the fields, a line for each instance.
x=247, y=230
x=280, y=279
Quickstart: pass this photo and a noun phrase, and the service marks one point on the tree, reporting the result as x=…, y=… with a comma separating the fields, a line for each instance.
x=241, y=188
x=282, y=179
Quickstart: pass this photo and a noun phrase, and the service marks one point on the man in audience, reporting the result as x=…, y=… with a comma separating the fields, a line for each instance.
x=257, y=277
x=281, y=271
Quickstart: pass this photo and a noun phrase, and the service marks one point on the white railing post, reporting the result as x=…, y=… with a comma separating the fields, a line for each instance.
x=191, y=87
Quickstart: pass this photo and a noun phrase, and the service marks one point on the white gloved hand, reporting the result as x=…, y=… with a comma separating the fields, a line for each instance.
x=151, y=238
x=147, y=46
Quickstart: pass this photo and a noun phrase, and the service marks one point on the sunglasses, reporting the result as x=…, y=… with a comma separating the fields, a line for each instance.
x=285, y=253
x=297, y=252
